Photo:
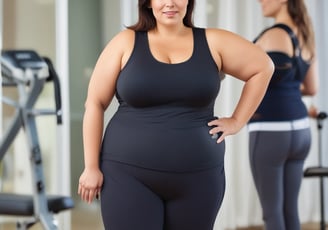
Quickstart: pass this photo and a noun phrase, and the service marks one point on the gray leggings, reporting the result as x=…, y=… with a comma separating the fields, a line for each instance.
x=276, y=159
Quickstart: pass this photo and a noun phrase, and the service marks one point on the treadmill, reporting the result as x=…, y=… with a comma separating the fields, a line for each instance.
x=28, y=72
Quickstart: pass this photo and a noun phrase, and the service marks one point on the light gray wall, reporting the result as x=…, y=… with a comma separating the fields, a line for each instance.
x=111, y=19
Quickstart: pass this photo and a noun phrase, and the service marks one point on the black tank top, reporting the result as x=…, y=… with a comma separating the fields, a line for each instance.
x=161, y=121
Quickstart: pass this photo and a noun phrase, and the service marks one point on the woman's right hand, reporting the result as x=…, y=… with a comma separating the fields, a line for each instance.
x=313, y=112
x=90, y=183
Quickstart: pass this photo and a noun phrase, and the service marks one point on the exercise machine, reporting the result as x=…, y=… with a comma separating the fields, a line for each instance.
x=319, y=171
x=29, y=72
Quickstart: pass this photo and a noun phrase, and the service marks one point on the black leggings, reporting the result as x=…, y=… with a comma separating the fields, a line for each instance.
x=134, y=198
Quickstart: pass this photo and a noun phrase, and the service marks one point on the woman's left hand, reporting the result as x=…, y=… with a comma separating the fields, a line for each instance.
x=224, y=126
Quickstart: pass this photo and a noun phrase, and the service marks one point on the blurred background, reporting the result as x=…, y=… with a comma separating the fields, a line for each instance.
x=72, y=34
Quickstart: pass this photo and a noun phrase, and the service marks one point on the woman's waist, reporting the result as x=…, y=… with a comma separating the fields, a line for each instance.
x=163, y=147
x=146, y=137
x=280, y=110
x=164, y=119
x=296, y=124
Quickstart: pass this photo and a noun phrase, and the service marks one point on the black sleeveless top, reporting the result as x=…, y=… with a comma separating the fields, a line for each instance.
x=283, y=99
x=161, y=121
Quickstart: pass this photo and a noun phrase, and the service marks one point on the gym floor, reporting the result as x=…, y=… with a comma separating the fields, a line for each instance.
x=88, y=218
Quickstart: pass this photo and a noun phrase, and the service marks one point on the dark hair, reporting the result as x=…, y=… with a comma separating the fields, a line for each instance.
x=147, y=21
x=300, y=16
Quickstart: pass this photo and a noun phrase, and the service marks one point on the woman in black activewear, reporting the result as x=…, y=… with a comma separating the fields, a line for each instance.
x=279, y=131
x=160, y=163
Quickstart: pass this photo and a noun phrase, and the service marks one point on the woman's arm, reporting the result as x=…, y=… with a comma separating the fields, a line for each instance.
x=247, y=62
x=310, y=84
x=101, y=91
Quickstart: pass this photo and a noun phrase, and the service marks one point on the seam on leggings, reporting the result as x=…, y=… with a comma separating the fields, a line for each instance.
x=253, y=155
x=165, y=171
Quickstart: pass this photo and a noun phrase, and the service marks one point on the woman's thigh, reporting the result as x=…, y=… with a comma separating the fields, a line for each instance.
x=138, y=198
x=198, y=207
x=128, y=204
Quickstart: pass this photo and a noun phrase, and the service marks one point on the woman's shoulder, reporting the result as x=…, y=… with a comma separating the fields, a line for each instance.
x=275, y=39
x=275, y=33
x=121, y=42
x=219, y=33
x=222, y=37
x=216, y=31
x=123, y=36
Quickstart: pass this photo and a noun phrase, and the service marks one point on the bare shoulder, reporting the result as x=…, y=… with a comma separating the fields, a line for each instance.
x=125, y=34
x=276, y=39
x=234, y=54
x=216, y=33
x=222, y=37
x=122, y=40
x=120, y=47
x=221, y=42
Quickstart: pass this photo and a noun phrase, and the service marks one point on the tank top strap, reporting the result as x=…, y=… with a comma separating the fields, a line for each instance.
x=294, y=39
x=291, y=35
x=141, y=44
x=201, y=48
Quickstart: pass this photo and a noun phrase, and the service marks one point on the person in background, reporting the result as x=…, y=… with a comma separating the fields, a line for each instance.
x=279, y=130
x=160, y=163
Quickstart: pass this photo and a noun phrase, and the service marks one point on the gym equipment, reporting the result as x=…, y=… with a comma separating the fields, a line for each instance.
x=27, y=71
x=319, y=171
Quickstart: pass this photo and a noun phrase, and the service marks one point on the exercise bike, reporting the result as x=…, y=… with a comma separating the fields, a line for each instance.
x=28, y=72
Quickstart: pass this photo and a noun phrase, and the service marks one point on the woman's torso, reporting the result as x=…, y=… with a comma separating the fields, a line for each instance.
x=161, y=122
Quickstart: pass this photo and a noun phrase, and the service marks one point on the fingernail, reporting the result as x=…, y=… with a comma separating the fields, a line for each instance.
x=215, y=136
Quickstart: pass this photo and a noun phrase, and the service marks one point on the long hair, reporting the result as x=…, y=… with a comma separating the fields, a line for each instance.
x=146, y=20
x=300, y=16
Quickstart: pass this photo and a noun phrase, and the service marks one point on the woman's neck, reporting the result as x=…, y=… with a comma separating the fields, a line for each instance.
x=170, y=31
x=283, y=17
